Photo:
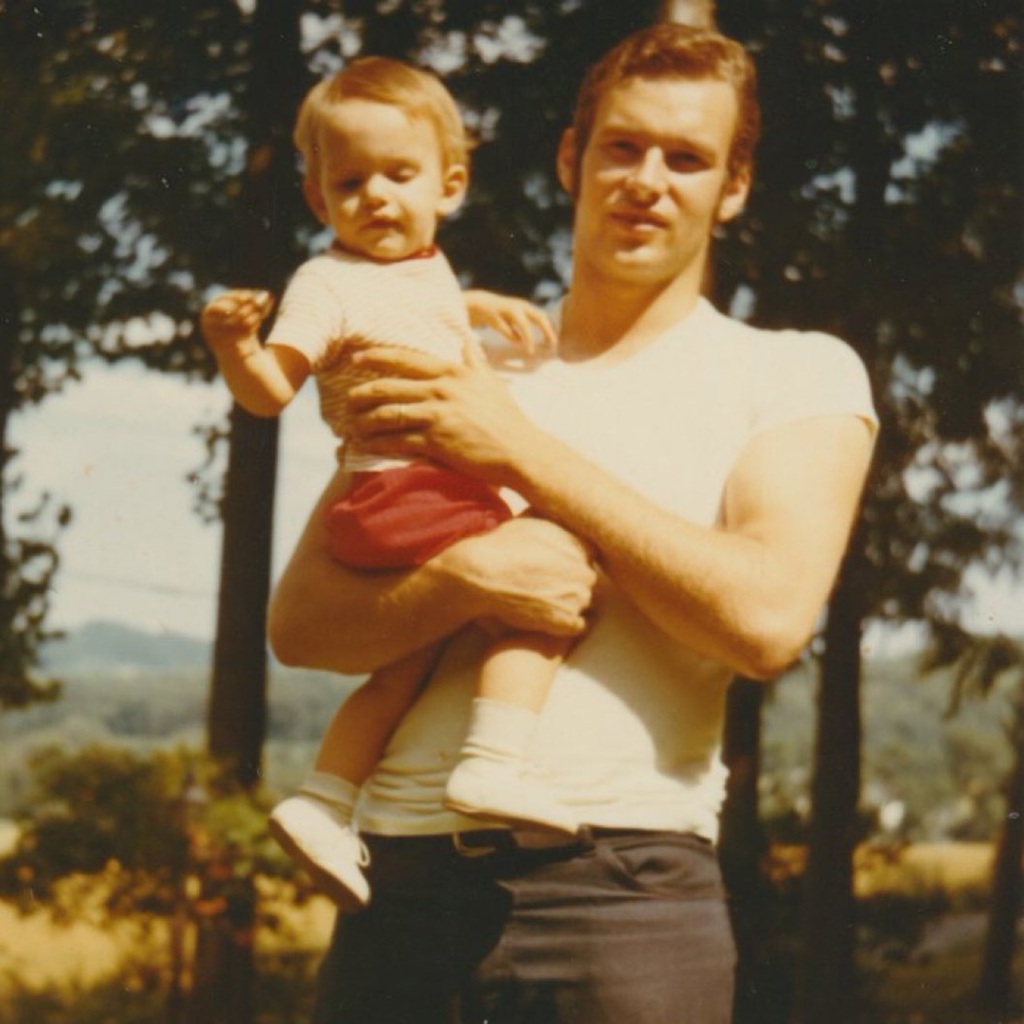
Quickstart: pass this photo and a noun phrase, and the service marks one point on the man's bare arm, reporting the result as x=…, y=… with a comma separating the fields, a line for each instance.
x=528, y=573
x=747, y=594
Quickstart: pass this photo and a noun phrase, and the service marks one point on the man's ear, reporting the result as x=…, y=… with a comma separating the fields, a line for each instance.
x=734, y=195
x=453, y=189
x=314, y=198
x=565, y=162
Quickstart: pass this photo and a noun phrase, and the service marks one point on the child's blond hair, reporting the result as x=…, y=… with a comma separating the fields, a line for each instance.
x=419, y=94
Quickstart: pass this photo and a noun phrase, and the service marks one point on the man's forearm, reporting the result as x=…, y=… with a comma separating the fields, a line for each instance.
x=325, y=616
x=530, y=574
x=336, y=620
x=749, y=593
x=687, y=579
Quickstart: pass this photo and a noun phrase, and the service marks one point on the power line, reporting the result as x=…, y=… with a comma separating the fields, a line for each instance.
x=168, y=589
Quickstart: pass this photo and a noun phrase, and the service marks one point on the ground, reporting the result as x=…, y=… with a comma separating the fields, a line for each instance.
x=932, y=985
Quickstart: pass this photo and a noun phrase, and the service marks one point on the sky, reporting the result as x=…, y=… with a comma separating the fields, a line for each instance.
x=118, y=448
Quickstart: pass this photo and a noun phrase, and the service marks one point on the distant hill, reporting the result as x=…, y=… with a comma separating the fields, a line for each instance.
x=111, y=647
x=944, y=775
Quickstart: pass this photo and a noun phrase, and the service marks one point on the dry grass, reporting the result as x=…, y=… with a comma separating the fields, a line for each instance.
x=911, y=870
x=38, y=952
x=924, y=867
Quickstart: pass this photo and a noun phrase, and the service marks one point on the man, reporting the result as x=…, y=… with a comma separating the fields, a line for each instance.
x=714, y=471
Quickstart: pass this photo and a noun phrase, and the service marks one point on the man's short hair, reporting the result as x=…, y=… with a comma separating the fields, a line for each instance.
x=671, y=50
x=419, y=94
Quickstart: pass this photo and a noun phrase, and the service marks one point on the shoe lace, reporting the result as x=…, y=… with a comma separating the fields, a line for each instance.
x=362, y=852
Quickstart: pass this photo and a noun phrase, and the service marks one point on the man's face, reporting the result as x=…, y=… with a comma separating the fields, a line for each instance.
x=382, y=184
x=653, y=180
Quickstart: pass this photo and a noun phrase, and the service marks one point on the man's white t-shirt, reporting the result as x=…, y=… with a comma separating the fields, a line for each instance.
x=631, y=733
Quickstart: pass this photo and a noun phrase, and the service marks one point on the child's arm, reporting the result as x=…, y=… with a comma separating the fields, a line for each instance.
x=262, y=379
x=518, y=320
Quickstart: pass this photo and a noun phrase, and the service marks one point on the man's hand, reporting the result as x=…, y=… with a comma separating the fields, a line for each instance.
x=457, y=414
x=234, y=317
x=530, y=574
x=516, y=319
x=527, y=573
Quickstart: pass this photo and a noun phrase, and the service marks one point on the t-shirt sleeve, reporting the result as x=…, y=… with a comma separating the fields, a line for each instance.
x=806, y=374
x=309, y=319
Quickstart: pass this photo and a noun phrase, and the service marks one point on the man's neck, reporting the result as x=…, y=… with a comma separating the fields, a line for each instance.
x=613, y=320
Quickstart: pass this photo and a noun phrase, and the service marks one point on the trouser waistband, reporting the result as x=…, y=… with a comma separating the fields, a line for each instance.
x=485, y=842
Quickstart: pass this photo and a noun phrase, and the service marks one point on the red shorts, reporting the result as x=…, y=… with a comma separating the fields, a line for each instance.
x=400, y=518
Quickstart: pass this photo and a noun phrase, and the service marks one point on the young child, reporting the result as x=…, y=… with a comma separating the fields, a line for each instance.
x=386, y=157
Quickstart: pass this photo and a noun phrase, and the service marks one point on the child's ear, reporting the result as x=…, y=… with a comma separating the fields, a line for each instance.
x=453, y=189
x=314, y=197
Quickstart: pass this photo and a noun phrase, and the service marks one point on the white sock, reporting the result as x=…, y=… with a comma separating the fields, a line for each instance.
x=334, y=790
x=499, y=731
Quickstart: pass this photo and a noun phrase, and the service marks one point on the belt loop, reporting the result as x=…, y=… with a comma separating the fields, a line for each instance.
x=464, y=849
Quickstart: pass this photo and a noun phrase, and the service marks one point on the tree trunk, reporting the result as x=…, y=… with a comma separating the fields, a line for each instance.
x=224, y=971
x=237, y=710
x=741, y=849
x=826, y=984
x=826, y=987
x=9, y=327
x=995, y=990
x=236, y=715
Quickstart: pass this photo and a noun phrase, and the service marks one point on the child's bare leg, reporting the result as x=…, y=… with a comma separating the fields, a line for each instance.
x=520, y=669
x=360, y=729
x=315, y=825
x=491, y=779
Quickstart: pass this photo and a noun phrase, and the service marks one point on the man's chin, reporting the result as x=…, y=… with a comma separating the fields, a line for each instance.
x=643, y=256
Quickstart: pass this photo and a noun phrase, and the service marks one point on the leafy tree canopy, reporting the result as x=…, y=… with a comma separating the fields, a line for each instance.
x=888, y=182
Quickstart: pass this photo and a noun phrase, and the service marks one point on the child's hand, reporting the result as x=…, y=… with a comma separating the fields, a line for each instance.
x=234, y=317
x=518, y=320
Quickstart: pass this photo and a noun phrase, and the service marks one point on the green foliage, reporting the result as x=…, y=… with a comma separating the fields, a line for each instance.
x=134, y=997
x=28, y=566
x=887, y=183
x=97, y=808
x=947, y=773
x=114, y=123
x=979, y=663
x=149, y=710
x=105, y=217
x=143, y=823
x=108, y=834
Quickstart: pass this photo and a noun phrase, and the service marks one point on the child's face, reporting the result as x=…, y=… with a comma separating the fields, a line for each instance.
x=382, y=185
